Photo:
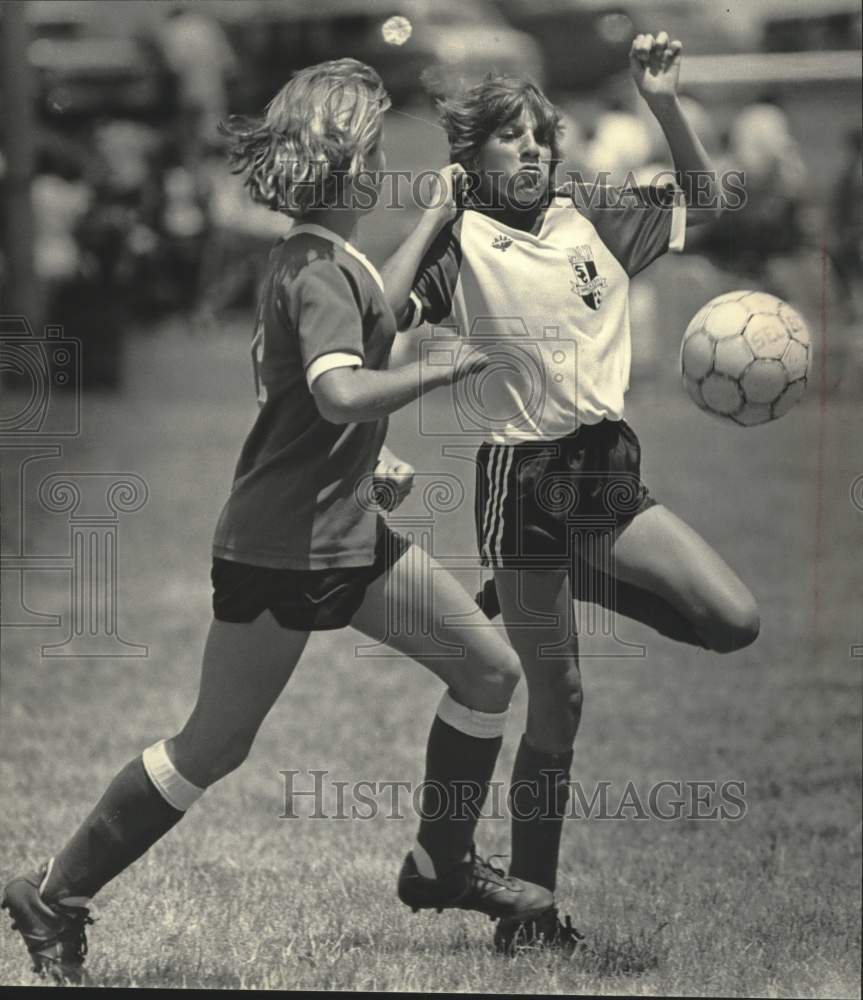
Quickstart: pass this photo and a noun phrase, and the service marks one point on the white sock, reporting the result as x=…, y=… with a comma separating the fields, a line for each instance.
x=470, y=721
x=176, y=790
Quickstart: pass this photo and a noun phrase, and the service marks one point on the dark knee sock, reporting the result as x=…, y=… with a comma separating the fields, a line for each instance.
x=633, y=602
x=462, y=750
x=537, y=801
x=129, y=818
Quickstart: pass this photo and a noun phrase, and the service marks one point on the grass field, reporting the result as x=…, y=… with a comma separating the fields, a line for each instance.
x=238, y=897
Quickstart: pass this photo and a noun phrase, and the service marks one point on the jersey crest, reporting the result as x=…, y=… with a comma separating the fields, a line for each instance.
x=501, y=243
x=588, y=283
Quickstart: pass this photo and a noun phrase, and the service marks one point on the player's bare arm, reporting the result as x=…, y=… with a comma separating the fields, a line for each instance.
x=400, y=270
x=655, y=64
x=356, y=395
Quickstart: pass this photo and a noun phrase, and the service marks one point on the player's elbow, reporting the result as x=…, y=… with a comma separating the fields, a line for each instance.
x=701, y=216
x=335, y=411
x=705, y=204
x=404, y=314
x=336, y=397
x=337, y=401
x=736, y=628
x=402, y=323
x=709, y=212
x=334, y=416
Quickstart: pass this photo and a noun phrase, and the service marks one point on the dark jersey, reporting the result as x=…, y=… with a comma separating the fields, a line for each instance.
x=293, y=503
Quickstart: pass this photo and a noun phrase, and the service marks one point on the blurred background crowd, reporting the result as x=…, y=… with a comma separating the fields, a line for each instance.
x=118, y=208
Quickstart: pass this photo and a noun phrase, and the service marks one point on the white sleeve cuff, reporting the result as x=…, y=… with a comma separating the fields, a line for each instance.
x=417, y=312
x=326, y=362
x=678, y=227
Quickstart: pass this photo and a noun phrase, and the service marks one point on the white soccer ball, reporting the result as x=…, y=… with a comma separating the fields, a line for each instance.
x=396, y=30
x=745, y=357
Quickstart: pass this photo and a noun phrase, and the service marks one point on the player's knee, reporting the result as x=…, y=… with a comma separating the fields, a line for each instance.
x=554, y=713
x=559, y=694
x=573, y=696
x=492, y=684
x=233, y=755
x=503, y=675
x=738, y=627
x=206, y=764
x=508, y=672
x=745, y=630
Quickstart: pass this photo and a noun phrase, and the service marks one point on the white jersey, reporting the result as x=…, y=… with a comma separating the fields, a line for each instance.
x=550, y=305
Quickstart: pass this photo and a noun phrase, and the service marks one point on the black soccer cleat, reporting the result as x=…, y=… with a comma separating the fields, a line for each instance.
x=54, y=934
x=544, y=931
x=473, y=885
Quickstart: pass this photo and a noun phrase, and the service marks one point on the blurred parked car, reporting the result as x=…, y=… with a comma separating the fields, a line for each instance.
x=462, y=42
x=587, y=41
x=81, y=69
x=828, y=25
x=450, y=42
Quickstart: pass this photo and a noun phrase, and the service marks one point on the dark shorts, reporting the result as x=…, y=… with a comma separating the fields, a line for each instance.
x=537, y=502
x=309, y=600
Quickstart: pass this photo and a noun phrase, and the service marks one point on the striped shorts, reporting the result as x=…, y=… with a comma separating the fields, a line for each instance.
x=534, y=498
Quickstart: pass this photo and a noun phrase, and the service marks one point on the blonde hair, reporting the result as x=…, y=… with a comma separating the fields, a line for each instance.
x=314, y=138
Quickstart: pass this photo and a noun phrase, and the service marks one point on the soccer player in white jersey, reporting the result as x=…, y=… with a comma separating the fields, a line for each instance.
x=543, y=273
x=296, y=550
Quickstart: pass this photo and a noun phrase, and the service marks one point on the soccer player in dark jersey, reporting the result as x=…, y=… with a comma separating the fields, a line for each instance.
x=539, y=276
x=296, y=548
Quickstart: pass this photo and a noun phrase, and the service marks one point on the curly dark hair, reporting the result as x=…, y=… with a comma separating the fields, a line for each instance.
x=472, y=117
